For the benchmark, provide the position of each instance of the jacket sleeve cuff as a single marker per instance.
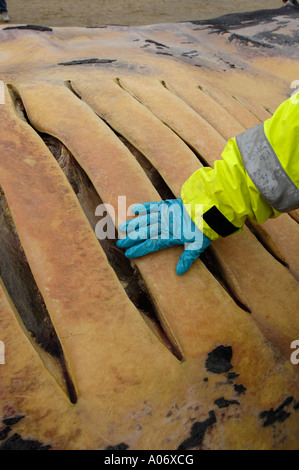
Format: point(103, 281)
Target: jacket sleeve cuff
point(211, 222)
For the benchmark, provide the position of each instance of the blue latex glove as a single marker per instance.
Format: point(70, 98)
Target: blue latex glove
point(162, 225)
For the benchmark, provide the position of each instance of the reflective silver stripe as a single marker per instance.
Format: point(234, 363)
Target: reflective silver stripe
point(266, 171)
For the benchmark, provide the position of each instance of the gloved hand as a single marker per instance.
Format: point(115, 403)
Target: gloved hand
point(162, 225)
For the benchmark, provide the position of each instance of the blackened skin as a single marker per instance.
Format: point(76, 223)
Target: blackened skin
point(88, 61)
point(240, 388)
point(251, 18)
point(248, 41)
point(15, 442)
point(13, 420)
point(8, 423)
point(31, 27)
point(276, 416)
point(232, 375)
point(198, 431)
point(164, 53)
point(121, 446)
point(156, 43)
point(223, 403)
point(268, 39)
point(219, 360)
point(4, 433)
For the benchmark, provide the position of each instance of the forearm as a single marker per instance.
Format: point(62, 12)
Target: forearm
point(257, 178)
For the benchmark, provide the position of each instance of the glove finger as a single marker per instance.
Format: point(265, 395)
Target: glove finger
point(138, 236)
point(145, 208)
point(146, 247)
point(135, 224)
point(191, 253)
point(186, 260)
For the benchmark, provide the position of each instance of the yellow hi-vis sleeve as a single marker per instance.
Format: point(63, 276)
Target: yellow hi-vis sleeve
point(225, 189)
point(258, 176)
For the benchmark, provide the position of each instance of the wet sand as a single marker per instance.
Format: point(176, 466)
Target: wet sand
point(125, 12)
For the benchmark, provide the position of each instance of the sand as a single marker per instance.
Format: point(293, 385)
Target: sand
point(125, 12)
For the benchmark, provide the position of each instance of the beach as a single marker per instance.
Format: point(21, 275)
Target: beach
point(125, 12)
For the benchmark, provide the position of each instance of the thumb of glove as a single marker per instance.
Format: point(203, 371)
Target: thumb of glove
point(190, 254)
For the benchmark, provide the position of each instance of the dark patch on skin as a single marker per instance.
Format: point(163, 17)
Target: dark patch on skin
point(31, 27)
point(156, 43)
point(88, 61)
point(246, 19)
point(164, 53)
point(15, 442)
point(238, 21)
point(296, 406)
point(219, 360)
point(232, 66)
point(121, 446)
point(197, 433)
point(95, 27)
point(190, 54)
point(223, 403)
point(232, 375)
point(248, 41)
point(278, 38)
point(4, 433)
point(276, 416)
point(12, 420)
point(240, 388)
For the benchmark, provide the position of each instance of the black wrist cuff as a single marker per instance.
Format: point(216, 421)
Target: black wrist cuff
point(218, 222)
